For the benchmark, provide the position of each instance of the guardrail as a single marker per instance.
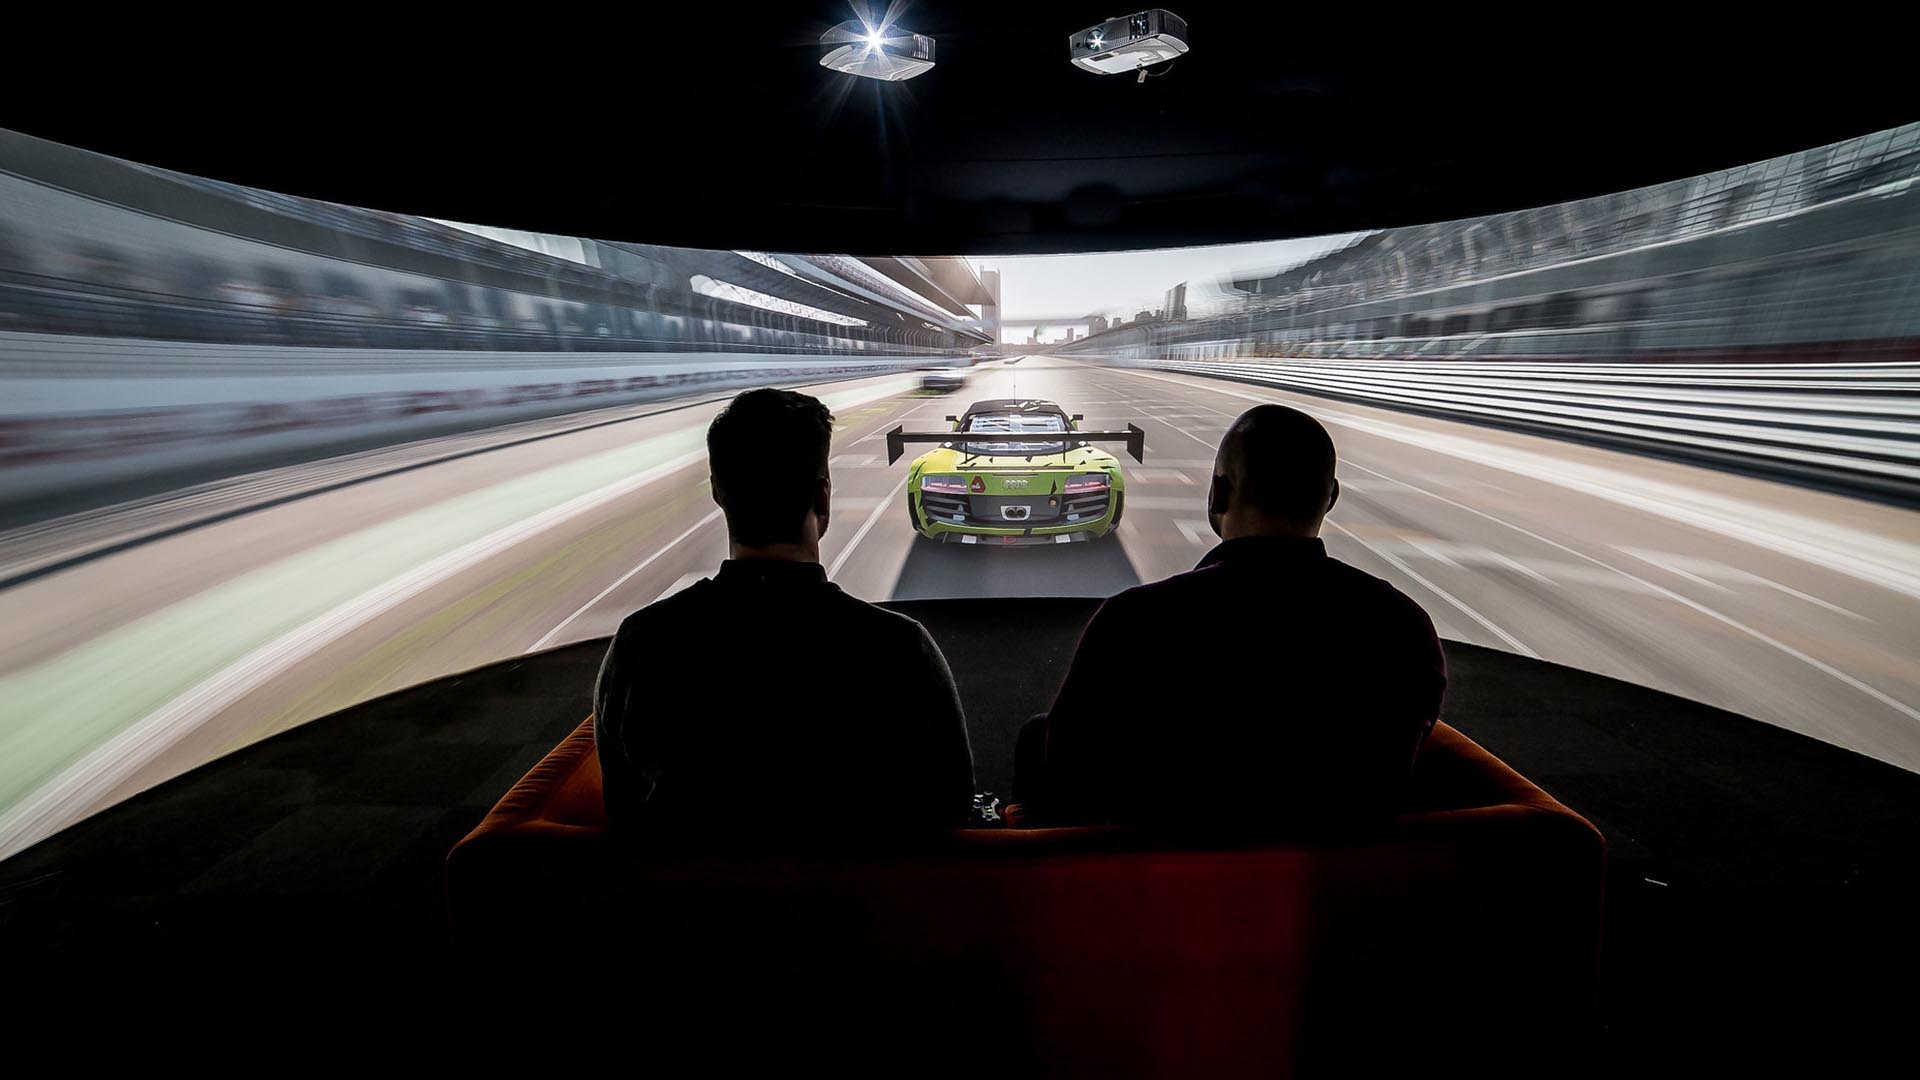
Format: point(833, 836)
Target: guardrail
point(80, 411)
point(1851, 426)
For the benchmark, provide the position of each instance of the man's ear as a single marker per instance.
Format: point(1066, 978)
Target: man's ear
point(719, 499)
point(823, 503)
point(1219, 493)
point(1333, 498)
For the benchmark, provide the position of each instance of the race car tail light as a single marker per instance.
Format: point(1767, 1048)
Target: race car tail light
point(1087, 482)
point(952, 485)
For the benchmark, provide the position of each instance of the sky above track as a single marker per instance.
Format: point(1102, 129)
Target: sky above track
point(1059, 290)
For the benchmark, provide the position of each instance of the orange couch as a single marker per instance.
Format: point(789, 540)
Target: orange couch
point(1467, 932)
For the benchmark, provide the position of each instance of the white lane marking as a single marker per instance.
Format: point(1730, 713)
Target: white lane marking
point(1704, 569)
point(1437, 552)
point(1808, 597)
point(623, 579)
point(1475, 484)
point(1515, 643)
point(116, 760)
point(1882, 561)
point(1566, 573)
point(1197, 532)
point(1518, 567)
point(865, 527)
point(679, 583)
point(852, 461)
point(1162, 476)
point(106, 767)
point(1188, 434)
point(1474, 554)
point(1159, 502)
point(1672, 566)
point(1662, 591)
point(1216, 412)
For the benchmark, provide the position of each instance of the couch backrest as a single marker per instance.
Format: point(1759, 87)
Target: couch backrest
point(1097, 946)
point(561, 798)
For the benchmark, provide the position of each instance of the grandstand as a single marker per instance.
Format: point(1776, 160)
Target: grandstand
point(97, 244)
point(1802, 257)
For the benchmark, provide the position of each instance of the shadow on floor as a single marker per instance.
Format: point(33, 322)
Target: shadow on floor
point(937, 571)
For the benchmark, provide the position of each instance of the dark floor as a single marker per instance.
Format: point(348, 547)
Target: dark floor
point(1764, 888)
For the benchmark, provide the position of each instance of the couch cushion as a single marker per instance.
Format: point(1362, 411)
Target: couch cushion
point(560, 796)
point(1111, 950)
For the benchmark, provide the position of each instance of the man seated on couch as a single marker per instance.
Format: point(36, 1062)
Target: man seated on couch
point(762, 700)
point(1271, 685)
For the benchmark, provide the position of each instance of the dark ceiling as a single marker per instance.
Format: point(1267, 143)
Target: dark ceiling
point(713, 124)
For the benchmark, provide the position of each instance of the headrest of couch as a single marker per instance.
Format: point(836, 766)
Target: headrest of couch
point(558, 804)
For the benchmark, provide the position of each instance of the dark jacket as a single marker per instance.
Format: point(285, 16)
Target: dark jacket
point(1271, 684)
point(765, 700)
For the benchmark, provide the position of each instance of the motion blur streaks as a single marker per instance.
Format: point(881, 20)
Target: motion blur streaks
point(1575, 564)
point(264, 458)
point(1765, 316)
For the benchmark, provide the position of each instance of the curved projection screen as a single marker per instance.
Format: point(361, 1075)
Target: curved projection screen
point(262, 458)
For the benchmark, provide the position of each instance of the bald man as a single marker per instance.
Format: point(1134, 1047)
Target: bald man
point(1270, 686)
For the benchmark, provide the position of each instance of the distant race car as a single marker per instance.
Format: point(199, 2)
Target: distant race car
point(1015, 472)
point(943, 379)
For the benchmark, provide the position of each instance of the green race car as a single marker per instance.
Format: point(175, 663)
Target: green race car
point(1015, 472)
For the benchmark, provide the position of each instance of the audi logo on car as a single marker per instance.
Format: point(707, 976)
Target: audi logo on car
point(1016, 482)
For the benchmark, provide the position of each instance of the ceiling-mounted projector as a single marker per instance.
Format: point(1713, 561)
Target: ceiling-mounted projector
point(1123, 46)
point(885, 52)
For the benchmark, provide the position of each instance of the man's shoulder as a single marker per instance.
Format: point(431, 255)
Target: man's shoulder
point(1351, 577)
point(1182, 588)
point(866, 617)
point(1386, 600)
point(1205, 584)
point(848, 612)
point(668, 609)
point(1187, 583)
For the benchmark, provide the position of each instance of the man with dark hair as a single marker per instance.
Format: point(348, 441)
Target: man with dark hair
point(750, 703)
point(1270, 686)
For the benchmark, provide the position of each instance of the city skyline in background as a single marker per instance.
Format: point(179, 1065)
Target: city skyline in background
point(1058, 292)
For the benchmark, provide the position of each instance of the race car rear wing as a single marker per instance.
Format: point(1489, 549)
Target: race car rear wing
point(899, 437)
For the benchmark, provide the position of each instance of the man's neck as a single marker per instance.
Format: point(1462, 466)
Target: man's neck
point(803, 552)
point(1232, 529)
